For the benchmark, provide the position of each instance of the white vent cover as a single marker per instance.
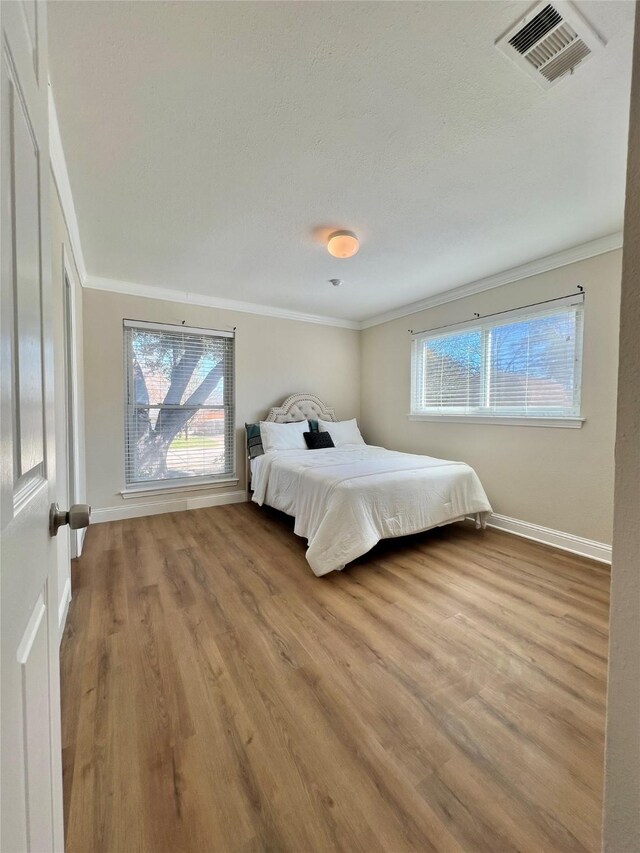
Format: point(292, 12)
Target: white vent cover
point(550, 41)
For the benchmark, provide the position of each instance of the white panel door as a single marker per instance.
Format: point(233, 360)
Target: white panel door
point(31, 783)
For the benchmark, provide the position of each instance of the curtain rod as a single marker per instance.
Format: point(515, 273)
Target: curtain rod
point(581, 292)
point(194, 330)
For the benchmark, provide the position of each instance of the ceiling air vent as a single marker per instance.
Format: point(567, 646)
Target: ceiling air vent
point(550, 41)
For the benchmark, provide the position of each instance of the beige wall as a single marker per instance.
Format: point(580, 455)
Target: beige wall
point(555, 477)
point(61, 256)
point(274, 358)
point(558, 478)
point(622, 772)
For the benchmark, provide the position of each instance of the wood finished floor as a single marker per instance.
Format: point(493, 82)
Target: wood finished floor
point(445, 693)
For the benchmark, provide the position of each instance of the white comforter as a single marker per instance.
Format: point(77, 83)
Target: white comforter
point(344, 500)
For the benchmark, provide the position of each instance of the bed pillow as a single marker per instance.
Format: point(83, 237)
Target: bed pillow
point(343, 433)
point(254, 440)
point(318, 440)
point(283, 436)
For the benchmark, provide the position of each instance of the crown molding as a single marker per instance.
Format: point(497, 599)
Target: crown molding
point(61, 178)
point(147, 291)
point(550, 262)
point(540, 265)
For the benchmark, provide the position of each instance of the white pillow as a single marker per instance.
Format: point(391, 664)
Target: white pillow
point(283, 436)
point(342, 433)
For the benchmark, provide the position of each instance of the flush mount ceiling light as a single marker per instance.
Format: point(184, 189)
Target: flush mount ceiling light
point(342, 244)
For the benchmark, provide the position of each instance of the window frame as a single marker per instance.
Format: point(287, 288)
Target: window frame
point(514, 416)
point(179, 484)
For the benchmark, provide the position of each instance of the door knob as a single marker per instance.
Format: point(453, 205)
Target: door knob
point(77, 516)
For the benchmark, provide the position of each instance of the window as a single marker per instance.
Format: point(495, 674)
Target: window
point(179, 418)
point(523, 364)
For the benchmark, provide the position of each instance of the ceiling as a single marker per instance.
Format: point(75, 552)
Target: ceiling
point(211, 146)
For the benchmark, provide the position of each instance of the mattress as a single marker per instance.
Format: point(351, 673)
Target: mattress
point(344, 500)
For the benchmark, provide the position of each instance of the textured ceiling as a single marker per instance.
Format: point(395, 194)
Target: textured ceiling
point(210, 145)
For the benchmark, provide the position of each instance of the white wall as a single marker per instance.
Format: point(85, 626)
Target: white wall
point(61, 256)
point(557, 478)
point(274, 358)
point(622, 771)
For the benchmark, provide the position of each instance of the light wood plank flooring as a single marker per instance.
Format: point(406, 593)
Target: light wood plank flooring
point(445, 693)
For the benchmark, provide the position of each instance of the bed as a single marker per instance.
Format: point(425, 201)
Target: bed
point(346, 499)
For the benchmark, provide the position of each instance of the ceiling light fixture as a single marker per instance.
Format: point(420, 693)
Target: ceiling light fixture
point(343, 244)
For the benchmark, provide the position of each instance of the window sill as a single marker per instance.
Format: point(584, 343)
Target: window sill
point(563, 423)
point(169, 488)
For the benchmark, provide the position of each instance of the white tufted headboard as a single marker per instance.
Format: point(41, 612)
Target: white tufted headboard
point(297, 407)
point(301, 407)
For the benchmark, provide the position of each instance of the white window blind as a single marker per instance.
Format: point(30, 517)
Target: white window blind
point(524, 363)
point(179, 401)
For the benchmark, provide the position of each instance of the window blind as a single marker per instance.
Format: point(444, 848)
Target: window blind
point(523, 363)
point(179, 406)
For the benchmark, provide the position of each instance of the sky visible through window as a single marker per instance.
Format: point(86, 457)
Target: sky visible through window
point(520, 347)
point(158, 354)
point(528, 363)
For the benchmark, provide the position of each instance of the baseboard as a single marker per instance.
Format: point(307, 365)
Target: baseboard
point(556, 538)
point(81, 538)
point(128, 510)
point(546, 535)
point(63, 607)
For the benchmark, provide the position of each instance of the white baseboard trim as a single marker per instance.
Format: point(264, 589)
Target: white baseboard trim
point(63, 607)
point(81, 538)
point(128, 510)
point(556, 538)
point(546, 535)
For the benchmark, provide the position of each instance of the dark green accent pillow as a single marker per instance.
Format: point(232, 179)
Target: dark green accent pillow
point(254, 440)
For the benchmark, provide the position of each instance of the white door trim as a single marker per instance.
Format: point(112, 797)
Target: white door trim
point(74, 462)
